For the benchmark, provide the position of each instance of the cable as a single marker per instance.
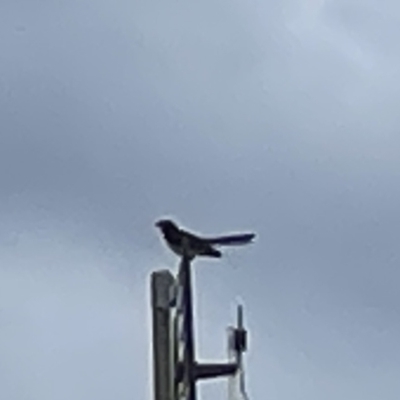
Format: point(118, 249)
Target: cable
point(242, 383)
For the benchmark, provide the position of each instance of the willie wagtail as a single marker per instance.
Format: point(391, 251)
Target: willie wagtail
point(177, 238)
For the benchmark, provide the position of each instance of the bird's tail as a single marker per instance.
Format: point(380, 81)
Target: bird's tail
point(231, 240)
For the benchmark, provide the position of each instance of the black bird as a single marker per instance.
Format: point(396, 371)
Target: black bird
point(177, 238)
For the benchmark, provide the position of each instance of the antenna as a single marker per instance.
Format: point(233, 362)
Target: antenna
point(237, 346)
point(176, 370)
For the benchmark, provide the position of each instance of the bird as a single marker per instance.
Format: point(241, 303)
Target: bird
point(182, 242)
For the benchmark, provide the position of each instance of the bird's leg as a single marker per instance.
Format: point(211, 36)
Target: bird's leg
point(186, 251)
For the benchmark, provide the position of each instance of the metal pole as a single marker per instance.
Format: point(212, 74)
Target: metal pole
point(161, 288)
point(185, 284)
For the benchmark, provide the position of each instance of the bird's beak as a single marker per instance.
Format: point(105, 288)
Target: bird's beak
point(158, 224)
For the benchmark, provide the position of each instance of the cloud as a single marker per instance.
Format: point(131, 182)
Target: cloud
point(69, 320)
point(280, 118)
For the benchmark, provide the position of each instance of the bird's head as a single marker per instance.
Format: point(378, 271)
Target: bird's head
point(166, 224)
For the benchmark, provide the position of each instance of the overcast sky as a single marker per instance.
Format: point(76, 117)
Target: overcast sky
point(280, 117)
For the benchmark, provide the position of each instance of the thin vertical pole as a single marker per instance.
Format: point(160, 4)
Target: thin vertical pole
point(185, 283)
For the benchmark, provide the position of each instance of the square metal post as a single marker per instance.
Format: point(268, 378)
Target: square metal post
point(161, 287)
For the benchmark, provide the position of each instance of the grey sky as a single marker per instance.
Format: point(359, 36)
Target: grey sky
point(280, 117)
